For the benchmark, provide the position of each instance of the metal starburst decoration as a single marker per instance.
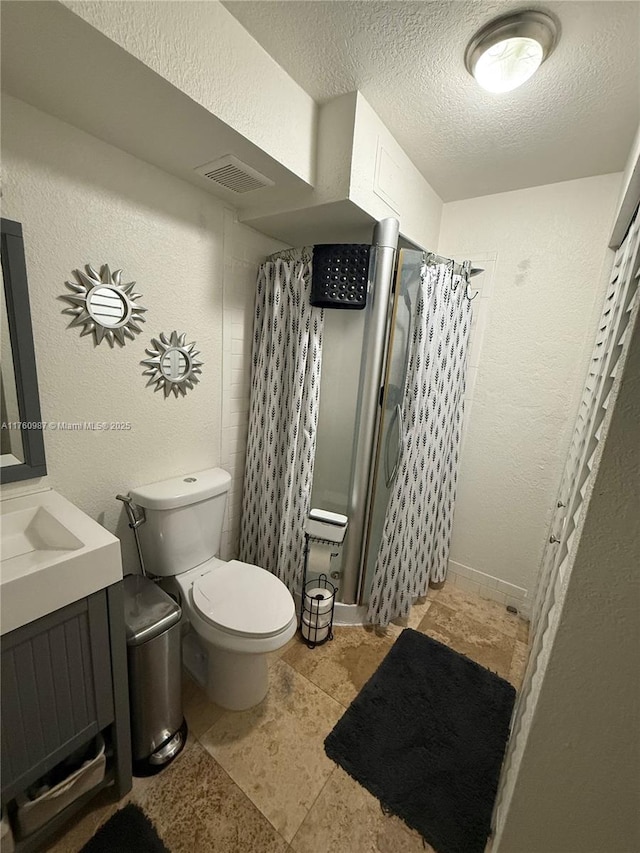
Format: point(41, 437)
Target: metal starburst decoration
point(104, 305)
point(173, 365)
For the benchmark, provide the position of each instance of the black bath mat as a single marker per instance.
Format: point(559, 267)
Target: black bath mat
point(128, 831)
point(427, 735)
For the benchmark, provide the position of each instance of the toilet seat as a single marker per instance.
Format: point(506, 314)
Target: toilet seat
point(243, 600)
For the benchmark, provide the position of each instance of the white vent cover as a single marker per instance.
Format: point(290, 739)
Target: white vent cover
point(234, 175)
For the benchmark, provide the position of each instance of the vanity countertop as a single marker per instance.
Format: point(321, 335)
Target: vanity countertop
point(52, 554)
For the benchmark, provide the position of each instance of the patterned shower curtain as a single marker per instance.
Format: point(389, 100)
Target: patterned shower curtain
point(417, 527)
point(283, 415)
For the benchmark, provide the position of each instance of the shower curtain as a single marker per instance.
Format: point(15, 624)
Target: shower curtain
point(283, 415)
point(417, 526)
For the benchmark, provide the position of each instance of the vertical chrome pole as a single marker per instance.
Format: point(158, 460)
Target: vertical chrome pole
point(384, 245)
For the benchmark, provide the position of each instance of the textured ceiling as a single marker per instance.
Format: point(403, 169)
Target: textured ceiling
point(575, 117)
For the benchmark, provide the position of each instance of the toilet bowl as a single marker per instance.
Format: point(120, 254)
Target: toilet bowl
point(238, 612)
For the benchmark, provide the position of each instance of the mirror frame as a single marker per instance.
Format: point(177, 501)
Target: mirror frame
point(16, 288)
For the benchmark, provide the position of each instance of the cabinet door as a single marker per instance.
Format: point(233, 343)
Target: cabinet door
point(56, 689)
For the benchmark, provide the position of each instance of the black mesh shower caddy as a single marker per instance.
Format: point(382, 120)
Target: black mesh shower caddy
point(340, 275)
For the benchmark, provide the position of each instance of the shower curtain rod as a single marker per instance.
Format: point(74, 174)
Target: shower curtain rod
point(464, 269)
point(305, 253)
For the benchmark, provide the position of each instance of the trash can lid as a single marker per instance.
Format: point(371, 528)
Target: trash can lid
point(148, 610)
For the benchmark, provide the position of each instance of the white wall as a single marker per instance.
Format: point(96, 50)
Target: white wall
point(206, 53)
point(82, 201)
point(384, 182)
point(577, 786)
point(363, 175)
point(334, 143)
point(548, 284)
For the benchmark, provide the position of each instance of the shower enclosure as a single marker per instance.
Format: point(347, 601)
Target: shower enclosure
point(328, 396)
point(359, 434)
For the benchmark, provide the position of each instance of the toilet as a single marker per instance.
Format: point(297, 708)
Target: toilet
point(237, 612)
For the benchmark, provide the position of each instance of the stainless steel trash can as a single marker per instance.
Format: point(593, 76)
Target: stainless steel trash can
point(158, 727)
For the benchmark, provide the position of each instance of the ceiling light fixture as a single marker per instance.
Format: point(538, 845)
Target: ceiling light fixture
point(507, 51)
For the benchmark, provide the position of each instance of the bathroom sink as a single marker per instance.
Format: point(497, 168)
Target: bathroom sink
point(51, 554)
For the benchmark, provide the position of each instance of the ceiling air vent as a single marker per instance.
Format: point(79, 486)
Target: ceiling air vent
point(234, 175)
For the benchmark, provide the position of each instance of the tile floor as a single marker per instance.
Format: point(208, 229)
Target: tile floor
point(258, 781)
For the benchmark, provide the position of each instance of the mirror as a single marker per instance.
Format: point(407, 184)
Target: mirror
point(11, 434)
point(173, 365)
point(22, 429)
point(104, 305)
point(107, 307)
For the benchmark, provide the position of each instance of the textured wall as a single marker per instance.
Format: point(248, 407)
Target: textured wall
point(202, 50)
point(549, 280)
point(363, 175)
point(82, 201)
point(578, 782)
point(395, 189)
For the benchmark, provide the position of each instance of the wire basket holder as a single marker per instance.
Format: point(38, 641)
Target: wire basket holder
point(316, 612)
point(318, 598)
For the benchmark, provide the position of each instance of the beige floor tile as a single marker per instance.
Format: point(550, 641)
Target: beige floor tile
point(518, 664)
point(490, 613)
point(272, 656)
point(523, 630)
point(197, 808)
point(391, 631)
point(275, 751)
point(346, 817)
point(200, 713)
point(415, 617)
point(342, 666)
point(477, 640)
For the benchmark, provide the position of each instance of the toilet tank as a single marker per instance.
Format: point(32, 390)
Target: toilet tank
point(184, 518)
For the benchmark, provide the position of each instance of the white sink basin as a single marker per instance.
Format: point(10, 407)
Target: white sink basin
point(51, 555)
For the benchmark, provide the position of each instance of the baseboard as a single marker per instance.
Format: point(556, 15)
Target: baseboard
point(488, 586)
point(350, 614)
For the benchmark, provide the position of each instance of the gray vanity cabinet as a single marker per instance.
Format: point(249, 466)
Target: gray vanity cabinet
point(64, 680)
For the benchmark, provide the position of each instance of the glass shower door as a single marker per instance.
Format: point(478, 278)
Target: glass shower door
point(352, 340)
point(352, 365)
point(390, 434)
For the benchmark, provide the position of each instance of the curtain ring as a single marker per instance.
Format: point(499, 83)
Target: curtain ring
point(451, 267)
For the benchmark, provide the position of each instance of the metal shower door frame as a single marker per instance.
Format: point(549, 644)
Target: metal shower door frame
point(379, 450)
point(382, 272)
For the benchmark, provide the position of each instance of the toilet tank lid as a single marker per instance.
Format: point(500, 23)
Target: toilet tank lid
point(182, 491)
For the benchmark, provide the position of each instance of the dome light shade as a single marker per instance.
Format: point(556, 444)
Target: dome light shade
point(505, 53)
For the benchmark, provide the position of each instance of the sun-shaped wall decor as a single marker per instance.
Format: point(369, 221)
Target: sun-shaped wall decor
point(173, 365)
point(104, 305)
